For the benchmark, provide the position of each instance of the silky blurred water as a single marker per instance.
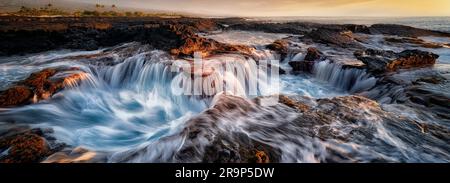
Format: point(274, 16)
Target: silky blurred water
point(126, 103)
point(115, 108)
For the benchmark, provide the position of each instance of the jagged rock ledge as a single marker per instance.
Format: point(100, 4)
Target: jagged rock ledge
point(379, 61)
point(40, 86)
point(177, 36)
point(20, 144)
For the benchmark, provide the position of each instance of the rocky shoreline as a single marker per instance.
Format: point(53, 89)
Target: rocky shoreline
point(180, 38)
point(22, 35)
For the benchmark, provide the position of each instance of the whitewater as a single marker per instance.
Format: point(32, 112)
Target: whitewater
point(126, 103)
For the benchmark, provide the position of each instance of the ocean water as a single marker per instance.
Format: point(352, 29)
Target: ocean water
point(132, 104)
point(129, 110)
point(432, 23)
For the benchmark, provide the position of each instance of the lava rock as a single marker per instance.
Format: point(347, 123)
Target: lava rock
point(240, 149)
point(305, 66)
point(294, 104)
point(189, 43)
point(280, 46)
point(26, 146)
point(39, 86)
point(93, 33)
point(335, 37)
point(404, 31)
point(415, 41)
point(358, 28)
point(379, 61)
point(16, 95)
point(313, 54)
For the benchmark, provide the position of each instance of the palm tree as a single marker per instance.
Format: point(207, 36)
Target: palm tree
point(98, 7)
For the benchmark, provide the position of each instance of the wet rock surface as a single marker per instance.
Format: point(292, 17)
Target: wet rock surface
point(334, 37)
point(313, 55)
point(420, 89)
point(415, 41)
point(299, 129)
point(23, 145)
point(17, 95)
point(281, 47)
point(175, 35)
point(291, 28)
point(379, 61)
point(223, 147)
point(75, 155)
point(396, 120)
point(40, 86)
point(405, 31)
point(40, 34)
point(302, 66)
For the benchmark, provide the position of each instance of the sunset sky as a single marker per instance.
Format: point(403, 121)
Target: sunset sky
point(273, 7)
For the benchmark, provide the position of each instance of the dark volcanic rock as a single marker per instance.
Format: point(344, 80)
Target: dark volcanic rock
point(378, 61)
point(415, 41)
point(29, 146)
point(297, 129)
point(175, 35)
point(280, 46)
point(205, 25)
point(244, 150)
point(313, 54)
point(39, 86)
point(352, 110)
point(305, 66)
point(290, 27)
point(413, 58)
point(405, 31)
point(24, 148)
point(349, 119)
point(208, 47)
point(224, 147)
point(416, 89)
point(16, 95)
point(188, 43)
point(357, 28)
point(335, 37)
point(294, 104)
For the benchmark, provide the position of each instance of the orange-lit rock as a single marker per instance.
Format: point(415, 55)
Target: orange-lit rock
point(412, 58)
point(39, 86)
point(280, 46)
point(189, 43)
point(415, 41)
point(294, 104)
point(261, 157)
point(17, 95)
point(379, 61)
point(77, 155)
point(313, 54)
point(24, 148)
